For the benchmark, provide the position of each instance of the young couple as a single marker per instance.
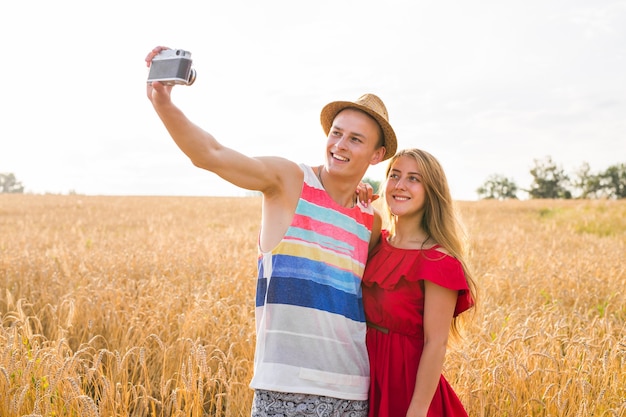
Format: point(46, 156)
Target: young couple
point(336, 337)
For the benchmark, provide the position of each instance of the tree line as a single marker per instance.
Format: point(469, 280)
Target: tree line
point(10, 184)
point(551, 181)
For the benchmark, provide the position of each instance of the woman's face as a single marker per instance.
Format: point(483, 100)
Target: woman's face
point(404, 190)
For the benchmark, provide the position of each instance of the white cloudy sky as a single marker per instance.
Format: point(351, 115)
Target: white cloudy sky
point(487, 86)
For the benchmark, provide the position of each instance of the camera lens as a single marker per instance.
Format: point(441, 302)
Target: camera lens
point(192, 76)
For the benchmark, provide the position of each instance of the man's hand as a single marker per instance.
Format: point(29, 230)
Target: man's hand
point(157, 92)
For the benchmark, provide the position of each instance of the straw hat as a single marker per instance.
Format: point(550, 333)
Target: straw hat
point(370, 104)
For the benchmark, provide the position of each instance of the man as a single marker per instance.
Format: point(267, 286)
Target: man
point(313, 244)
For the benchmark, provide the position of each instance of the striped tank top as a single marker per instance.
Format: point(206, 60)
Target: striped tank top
point(310, 323)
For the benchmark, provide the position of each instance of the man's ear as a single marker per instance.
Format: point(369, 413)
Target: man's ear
point(378, 155)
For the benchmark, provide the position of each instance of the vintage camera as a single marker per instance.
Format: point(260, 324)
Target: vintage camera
point(172, 66)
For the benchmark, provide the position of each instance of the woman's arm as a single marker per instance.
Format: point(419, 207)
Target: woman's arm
point(439, 303)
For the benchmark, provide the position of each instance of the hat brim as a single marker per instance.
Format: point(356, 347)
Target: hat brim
point(331, 110)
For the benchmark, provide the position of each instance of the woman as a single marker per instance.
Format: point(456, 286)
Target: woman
point(415, 285)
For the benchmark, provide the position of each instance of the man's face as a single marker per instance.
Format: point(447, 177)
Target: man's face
point(353, 142)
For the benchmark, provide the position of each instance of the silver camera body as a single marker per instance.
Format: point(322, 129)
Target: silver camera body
point(172, 66)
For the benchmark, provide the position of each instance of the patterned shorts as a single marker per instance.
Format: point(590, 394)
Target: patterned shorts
point(281, 404)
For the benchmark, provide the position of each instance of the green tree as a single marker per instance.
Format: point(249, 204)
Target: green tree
point(498, 187)
point(586, 183)
point(10, 184)
point(613, 181)
point(549, 181)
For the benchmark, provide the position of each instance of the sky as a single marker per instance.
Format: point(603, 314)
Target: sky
point(487, 86)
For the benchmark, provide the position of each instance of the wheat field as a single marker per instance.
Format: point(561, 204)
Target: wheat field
point(143, 306)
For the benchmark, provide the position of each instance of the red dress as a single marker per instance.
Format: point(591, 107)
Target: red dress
point(393, 298)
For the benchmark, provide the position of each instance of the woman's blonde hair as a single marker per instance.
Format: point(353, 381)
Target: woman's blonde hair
point(440, 221)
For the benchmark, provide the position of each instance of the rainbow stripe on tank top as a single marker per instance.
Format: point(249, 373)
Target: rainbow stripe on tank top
point(309, 310)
